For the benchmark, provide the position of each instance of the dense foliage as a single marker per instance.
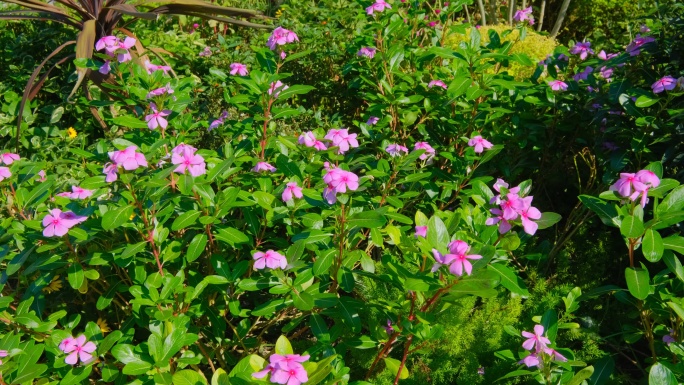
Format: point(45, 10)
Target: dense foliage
point(370, 192)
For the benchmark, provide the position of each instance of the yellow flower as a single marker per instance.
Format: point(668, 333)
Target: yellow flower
point(104, 328)
point(54, 285)
point(72, 133)
point(279, 13)
point(131, 217)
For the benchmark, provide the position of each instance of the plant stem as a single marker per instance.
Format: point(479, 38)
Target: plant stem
point(403, 359)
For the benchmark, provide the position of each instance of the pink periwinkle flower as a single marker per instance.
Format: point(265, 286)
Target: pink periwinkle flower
point(373, 120)
point(558, 85)
point(479, 143)
point(340, 180)
point(342, 139)
point(238, 69)
point(160, 91)
point(583, 75)
point(181, 148)
point(285, 369)
point(634, 48)
point(157, 118)
point(309, 140)
point(9, 158)
point(218, 122)
point(527, 214)
point(535, 340)
point(281, 36)
point(530, 360)
point(460, 262)
point(396, 150)
point(78, 348)
point(498, 186)
point(429, 151)
point(263, 166)
point(522, 15)
point(80, 193)
point(152, 68)
point(189, 161)
point(669, 338)
point(606, 73)
point(666, 83)
point(271, 259)
point(421, 231)
point(128, 158)
point(555, 354)
point(504, 225)
point(5, 173)
point(105, 68)
point(378, 6)
point(3, 354)
point(632, 185)
point(41, 176)
point(108, 43)
point(110, 170)
point(276, 87)
point(582, 49)
point(437, 83)
point(58, 223)
point(292, 190)
point(368, 52)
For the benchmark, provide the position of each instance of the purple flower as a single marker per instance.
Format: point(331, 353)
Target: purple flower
point(157, 118)
point(437, 83)
point(378, 6)
point(263, 166)
point(151, 68)
point(606, 73)
point(271, 259)
point(522, 15)
point(389, 329)
point(634, 48)
point(292, 190)
point(421, 231)
point(396, 150)
point(584, 74)
point(669, 338)
point(644, 29)
point(281, 36)
point(373, 120)
point(479, 143)
point(429, 151)
point(239, 69)
point(160, 91)
point(187, 160)
point(368, 52)
point(216, 123)
point(667, 83)
point(583, 49)
point(558, 85)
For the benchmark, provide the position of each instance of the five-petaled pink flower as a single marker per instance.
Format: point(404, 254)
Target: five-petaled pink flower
point(523, 14)
point(461, 260)
point(437, 83)
point(309, 140)
point(285, 369)
point(58, 223)
point(342, 139)
point(535, 340)
point(5, 173)
point(378, 6)
point(157, 118)
point(372, 120)
point(421, 231)
point(263, 166)
point(634, 48)
point(583, 49)
point(281, 36)
point(187, 160)
point(558, 85)
point(632, 185)
point(110, 170)
point(151, 68)
point(80, 193)
point(368, 52)
point(396, 150)
point(128, 158)
point(429, 151)
point(160, 91)
point(479, 143)
point(527, 213)
point(341, 180)
point(9, 158)
point(238, 69)
point(276, 87)
point(666, 83)
point(292, 190)
point(78, 348)
point(271, 259)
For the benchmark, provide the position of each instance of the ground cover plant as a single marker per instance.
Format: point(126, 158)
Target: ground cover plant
point(427, 200)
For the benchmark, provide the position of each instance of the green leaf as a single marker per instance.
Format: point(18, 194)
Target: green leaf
point(393, 366)
point(652, 245)
point(129, 121)
point(174, 342)
point(283, 346)
point(303, 301)
point(324, 262)
point(116, 217)
point(547, 220)
point(132, 250)
point(367, 219)
point(220, 377)
point(674, 201)
point(644, 101)
point(188, 377)
point(437, 233)
point(516, 373)
point(605, 211)
point(661, 375)
point(637, 282)
point(38, 194)
point(677, 309)
point(196, 247)
point(581, 376)
point(509, 279)
point(186, 219)
point(675, 243)
point(75, 275)
point(673, 264)
point(632, 227)
point(232, 236)
point(603, 368)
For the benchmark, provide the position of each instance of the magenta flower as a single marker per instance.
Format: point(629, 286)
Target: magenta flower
point(522, 15)
point(105, 68)
point(421, 231)
point(292, 190)
point(535, 340)
point(429, 151)
point(396, 150)
point(373, 120)
point(64, 194)
point(368, 52)
point(501, 184)
point(285, 369)
point(218, 122)
point(667, 83)
point(79, 348)
point(461, 261)
point(558, 85)
point(437, 83)
point(152, 68)
point(271, 259)
point(238, 69)
point(530, 360)
point(527, 213)
point(124, 46)
point(341, 180)
point(504, 225)
point(160, 91)
point(606, 73)
point(128, 158)
point(276, 87)
point(80, 193)
point(307, 138)
point(9, 158)
point(41, 175)
point(5, 173)
point(108, 43)
point(582, 49)
point(263, 166)
point(3, 354)
point(441, 259)
point(584, 74)
point(628, 185)
point(634, 48)
point(378, 6)
point(281, 36)
point(479, 143)
point(181, 148)
point(342, 139)
point(58, 223)
point(330, 195)
point(269, 369)
point(555, 354)
point(189, 161)
point(110, 170)
point(156, 118)
point(511, 206)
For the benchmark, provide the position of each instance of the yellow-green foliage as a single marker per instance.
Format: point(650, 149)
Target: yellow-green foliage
point(535, 46)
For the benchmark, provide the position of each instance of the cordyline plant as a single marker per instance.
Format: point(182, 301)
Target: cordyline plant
point(95, 19)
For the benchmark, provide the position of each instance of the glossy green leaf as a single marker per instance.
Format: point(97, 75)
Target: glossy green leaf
point(637, 282)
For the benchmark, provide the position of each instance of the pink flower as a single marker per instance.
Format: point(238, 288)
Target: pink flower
point(421, 231)
point(41, 175)
point(189, 161)
point(283, 55)
point(511, 206)
point(160, 91)
point(3, 353)
point(5, 173)
point(307, 138)
point(73, 218)
point(606, 56)
point(634, 48)
point(128, 158)
point(558, 85)
point(461, 261)
point(584, 74)
point(269, 369)
point(105, 68)
point(396, 150)
point(378, 6)
point(239, 69)
point(263, 166)
point(530, 360)
point(341, 180)
point(527, 213)
point(108, 43)
point(368, 52)
point(582, 49)
point(216, 123)
point(479, 143)
point(156, 118)
point(606, 73)
point(536, 339)
point(80, 193)
point(285, 369)
point(124, 46)
point(501, 184)
point(9, 158)
point(281, 36)
point(64, 194)
point(276, 87)
point(287, 361)
point(151, 68)
point(78, 349)
point(429, 151)
point(292, 190)
point(441, 260)
point(437, 83)
point(58, 223)
point(205, 52)
point(522, 15)
point(271, 259)
point(504, 225)
point(555, 354)
point(627, 185)
point(330, 195)
point(110, 170)
point(342, 139)
point(667, 83)
point(181, 148)
point(372, 120)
